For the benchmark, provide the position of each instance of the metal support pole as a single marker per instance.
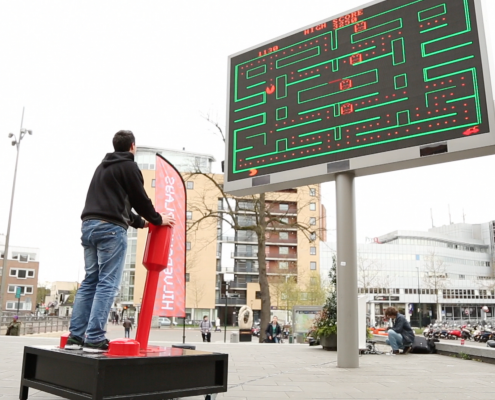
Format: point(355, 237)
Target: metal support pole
point(226, 306)
point(3, 289)
point(419, 305)
point(347, 301)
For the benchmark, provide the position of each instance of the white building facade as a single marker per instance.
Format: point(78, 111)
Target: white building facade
point(445, 273)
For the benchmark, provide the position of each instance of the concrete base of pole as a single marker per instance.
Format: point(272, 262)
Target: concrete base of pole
point(347, 301)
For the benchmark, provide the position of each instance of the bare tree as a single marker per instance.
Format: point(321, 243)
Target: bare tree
point(435, 274)
point(369, 273)
point(255, 214)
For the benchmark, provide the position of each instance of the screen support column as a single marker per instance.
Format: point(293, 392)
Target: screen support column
point(347, 301)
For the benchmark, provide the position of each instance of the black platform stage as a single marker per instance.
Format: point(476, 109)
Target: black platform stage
point(163, 373)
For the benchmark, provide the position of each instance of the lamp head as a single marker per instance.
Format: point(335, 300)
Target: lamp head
point(10, 135)
point(30, 132)
point(14, 142)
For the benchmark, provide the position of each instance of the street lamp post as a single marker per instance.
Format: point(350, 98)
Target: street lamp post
point(15, 142)
point(419, 298)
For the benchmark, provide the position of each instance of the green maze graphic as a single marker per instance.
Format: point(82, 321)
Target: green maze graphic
point(396, 74)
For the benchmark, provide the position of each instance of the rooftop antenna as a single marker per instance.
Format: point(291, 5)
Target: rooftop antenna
point(450, 216)
point(463, 216)
point(431, 215)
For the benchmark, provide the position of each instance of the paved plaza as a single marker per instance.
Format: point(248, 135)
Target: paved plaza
point(299, 372)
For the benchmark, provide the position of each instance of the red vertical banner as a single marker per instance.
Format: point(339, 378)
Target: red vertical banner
point(170, 198)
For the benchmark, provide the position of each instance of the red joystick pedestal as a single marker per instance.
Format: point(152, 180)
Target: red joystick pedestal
point(155, 261)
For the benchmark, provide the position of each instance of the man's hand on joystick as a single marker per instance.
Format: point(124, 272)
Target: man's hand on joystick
point(167, 219)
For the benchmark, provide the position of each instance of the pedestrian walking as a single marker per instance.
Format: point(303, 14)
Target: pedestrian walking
point(205, 327)
point(217, 325)
point(116, 189)
point(127, 327)
point(14, 328)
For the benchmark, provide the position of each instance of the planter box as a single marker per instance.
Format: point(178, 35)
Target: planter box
point(329, 342)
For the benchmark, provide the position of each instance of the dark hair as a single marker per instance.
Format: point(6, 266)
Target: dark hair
point(123, 140)
point(206, 316)
point(391, 311)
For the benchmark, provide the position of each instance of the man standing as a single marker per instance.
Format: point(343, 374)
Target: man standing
point(117, 187)
point(127, 327)
point(400, 335)
point(205, 327)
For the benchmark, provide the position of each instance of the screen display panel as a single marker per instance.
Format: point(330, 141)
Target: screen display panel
point(395, 74)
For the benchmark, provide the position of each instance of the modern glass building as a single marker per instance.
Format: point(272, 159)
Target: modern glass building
point(444, 273)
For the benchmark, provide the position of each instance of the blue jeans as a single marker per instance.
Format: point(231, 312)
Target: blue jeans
point(105, 245)
point(394, 340)
point(127, 332)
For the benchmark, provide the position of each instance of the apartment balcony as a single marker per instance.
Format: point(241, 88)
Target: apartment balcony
point(286, 257)
point(281, 227)
point(220, 301)
point(244, 254)
point(238, 285)
point(226, 238)
point(246, 270)
point(281, 242)
point(281, 271)
point(290, 213)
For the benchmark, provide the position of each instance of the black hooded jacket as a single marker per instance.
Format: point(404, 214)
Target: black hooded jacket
point(116, 188)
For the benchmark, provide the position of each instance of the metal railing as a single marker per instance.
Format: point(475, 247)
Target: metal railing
point(244, 254)
point(32, 326)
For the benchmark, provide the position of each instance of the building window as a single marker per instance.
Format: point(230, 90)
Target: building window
point(24, 289)
point(283, 265)
point(283, 250)
point(190, 185)
point(21, 273)
point(312, 192)
point(188, 245)
point(258, 295)
point(312, 221)
point(312, 251)
point(23, 257)
point(312, 236)
point(188, 214)
point(312, 265)
point(284, 220)
point(153, 183)
point(304, 296)
point(187, 277)
point(313, 281)
point(462, 276)
point(312, 206)
point(283, 207)
point(283, 235)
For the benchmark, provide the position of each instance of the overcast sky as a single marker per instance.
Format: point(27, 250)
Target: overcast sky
point(84, 70)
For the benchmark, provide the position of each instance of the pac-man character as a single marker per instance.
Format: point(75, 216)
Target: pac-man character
point(270, 89)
